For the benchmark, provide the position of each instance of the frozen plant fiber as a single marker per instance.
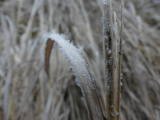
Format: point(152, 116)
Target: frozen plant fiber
point(81, 71)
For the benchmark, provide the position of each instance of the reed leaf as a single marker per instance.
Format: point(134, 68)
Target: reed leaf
point(80, 70)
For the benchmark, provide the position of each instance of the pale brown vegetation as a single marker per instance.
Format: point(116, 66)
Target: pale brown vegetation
point(26, 92)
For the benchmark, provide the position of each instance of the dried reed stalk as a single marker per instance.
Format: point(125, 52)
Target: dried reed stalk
point(119, 64)
point(108, 56)
point(112, 61)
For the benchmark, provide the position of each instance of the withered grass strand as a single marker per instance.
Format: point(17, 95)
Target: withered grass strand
point(115, 56)
point(119, 64)
point(81, 71)
point(27, 20)
point(7, 47)
point(109, 58)
point(49, 45)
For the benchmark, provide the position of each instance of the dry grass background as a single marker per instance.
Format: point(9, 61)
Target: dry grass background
point(25, 91)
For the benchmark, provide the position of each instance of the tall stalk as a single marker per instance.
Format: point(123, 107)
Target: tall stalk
point(119, 64)
point(108, 56)
point(112, 59)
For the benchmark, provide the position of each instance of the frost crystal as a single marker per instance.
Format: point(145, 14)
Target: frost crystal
point(121, 76)
point(121, 83)
point(105, 2)
point(110, 51)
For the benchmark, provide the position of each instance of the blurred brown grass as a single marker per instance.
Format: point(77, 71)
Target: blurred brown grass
point(25, 90)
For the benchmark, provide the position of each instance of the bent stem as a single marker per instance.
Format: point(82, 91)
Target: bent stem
point(81, 71)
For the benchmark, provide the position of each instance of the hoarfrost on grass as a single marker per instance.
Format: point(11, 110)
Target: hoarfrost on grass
point(110, 51)
point(77, 62)
point(115, 23)
point(121, 76)
point(106, 37)
point(81, 71)
point(105, 2)
point(121, 83)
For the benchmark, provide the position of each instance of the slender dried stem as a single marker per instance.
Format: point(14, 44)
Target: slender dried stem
point(49, 45)
point(119, 63)
point(109, 61)
point(112, 61)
